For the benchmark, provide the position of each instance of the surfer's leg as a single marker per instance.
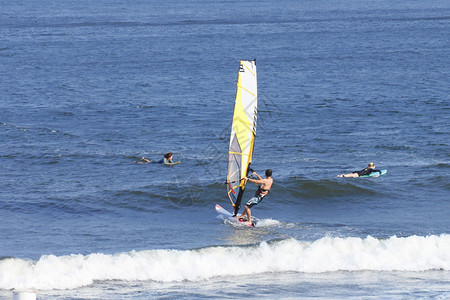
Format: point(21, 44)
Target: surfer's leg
point(349, 175)
point(244, 213)
point(249, 214)
point(247, 207)
point(145, 159)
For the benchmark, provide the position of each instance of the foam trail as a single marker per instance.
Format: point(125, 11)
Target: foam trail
point(328, 254)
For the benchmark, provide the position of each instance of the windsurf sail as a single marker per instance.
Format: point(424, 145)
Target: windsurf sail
point(243, 132)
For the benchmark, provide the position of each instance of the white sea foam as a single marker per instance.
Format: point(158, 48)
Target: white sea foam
point(268, 223)
point(328, 254)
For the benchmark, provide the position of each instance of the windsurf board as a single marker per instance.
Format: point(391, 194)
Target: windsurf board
point(229, 216)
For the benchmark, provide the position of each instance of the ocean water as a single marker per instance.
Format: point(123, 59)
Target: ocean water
point(86, 88)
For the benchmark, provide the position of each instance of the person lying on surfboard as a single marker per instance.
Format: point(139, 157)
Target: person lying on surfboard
point(366, 171)
point(261, 192)
point(167, 160)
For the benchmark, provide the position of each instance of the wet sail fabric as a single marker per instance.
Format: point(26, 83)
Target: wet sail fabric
point(243, 131)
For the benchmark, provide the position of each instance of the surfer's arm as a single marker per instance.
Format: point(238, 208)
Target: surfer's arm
point(255, 181)
point(259, 177)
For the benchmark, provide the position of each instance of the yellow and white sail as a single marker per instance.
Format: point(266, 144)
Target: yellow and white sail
point(243, 131)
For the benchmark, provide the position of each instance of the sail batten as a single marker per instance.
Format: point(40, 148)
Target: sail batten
point(243, 131)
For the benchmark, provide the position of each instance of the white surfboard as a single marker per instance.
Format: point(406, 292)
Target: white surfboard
point(229, 216)
point(224, 212)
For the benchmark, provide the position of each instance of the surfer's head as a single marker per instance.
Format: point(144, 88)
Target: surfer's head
point(168, 155)
point(371, 165)
point(268, 173)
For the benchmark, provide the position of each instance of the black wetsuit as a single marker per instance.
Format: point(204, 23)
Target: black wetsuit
point(366, 171)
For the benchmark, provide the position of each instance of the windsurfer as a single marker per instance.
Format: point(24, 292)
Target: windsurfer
point(261, 192)
point(366, 171)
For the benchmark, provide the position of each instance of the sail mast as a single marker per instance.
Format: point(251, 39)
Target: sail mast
point(243, 131)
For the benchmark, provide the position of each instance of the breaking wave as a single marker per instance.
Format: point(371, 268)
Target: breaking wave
point(328, 254)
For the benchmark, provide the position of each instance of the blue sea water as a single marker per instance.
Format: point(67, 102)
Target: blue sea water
point(88, 87)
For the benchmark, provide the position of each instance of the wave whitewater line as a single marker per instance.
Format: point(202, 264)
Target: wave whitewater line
point(328, 254)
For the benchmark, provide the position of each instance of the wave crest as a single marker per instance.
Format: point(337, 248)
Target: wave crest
point(328, 254)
